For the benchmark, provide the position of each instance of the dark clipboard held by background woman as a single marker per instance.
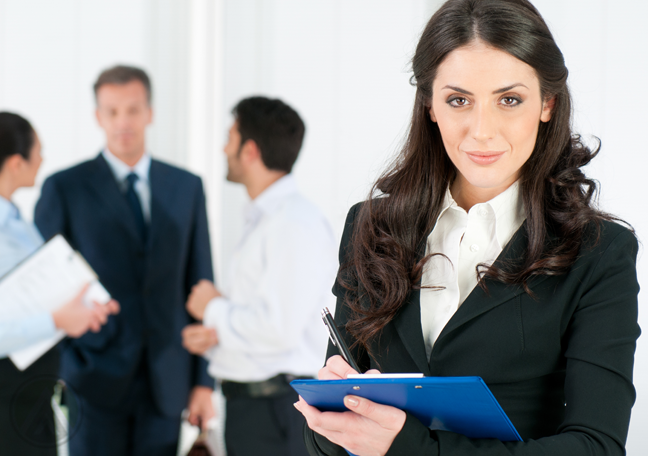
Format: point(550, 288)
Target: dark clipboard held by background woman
point(481, 252)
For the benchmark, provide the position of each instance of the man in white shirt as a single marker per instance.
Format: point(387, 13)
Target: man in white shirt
point(263, 328)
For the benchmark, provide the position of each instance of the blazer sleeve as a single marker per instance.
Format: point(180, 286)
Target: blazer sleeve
point(599, 344)
point(50, 215)
point(199, 266)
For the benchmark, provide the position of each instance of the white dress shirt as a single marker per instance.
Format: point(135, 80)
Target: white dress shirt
point(466, 239)
point(18, 240)
point(279, 279)
point(142, 186)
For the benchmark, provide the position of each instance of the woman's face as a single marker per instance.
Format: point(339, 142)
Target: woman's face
point(488, 107)
point(30, 167)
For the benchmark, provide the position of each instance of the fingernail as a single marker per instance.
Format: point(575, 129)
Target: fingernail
point(296, 406)
point(352, 401)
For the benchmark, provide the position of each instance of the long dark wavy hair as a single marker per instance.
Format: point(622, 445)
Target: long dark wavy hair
point(385, 258)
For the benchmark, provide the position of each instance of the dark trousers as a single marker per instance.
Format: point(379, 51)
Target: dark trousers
point(139, 430)
point(264, 426)
point(26, 418)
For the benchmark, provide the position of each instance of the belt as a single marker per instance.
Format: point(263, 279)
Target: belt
point(275, 386)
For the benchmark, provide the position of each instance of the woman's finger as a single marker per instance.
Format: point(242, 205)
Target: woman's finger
point(95, 325)
point(100, 314)
point(386, 416)
point(326, 374)
point(338, 366)
point(323, 421)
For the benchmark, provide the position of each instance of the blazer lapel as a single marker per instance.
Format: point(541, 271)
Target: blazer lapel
point(479, 301)
point(408, 326)
point(162, 198)
point(102, 182)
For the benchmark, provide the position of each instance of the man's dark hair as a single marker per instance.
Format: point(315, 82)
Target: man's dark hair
point(122, 74)
point(274, 126)
point(17, 137)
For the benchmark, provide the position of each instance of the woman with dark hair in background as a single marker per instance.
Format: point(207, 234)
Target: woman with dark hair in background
point(481, 253)
point(24, 429)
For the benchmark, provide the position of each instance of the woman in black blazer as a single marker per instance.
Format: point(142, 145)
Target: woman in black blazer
point(550, 322)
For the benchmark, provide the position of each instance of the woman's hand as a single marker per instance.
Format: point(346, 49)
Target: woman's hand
point(337, 369)
point(368, 429)
point(76, 319)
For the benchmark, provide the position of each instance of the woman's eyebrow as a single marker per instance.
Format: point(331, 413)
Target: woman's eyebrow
point(506, 89)
point(502, 90)
point(457, 89)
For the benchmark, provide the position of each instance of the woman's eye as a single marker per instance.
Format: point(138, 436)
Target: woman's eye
point(458, 102)
point(510, 101)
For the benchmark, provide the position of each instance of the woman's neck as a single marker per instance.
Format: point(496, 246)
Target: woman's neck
point(7, 186)
point(467, 195)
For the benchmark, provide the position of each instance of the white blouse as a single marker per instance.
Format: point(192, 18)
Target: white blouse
point(466, 239)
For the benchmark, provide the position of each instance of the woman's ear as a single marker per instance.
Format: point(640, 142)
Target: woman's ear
point(547, 109)
point(13, 163)
point(432, 116)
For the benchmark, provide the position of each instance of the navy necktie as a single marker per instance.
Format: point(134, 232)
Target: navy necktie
point(135, 205)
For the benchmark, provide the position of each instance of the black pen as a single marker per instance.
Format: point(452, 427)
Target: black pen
point(337, 339)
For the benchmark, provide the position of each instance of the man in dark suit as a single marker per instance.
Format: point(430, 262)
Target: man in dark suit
point(142, 226)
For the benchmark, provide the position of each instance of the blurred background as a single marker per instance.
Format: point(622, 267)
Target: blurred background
point(344, 65)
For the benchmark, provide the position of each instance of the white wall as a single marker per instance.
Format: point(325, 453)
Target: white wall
point(52, 51)
point(341, 63)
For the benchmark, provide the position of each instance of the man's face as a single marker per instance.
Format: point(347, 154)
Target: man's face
point(233, 153)
point(123, 112)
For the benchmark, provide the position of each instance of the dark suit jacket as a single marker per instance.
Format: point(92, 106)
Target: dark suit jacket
point(151, 282)
point(560, 363)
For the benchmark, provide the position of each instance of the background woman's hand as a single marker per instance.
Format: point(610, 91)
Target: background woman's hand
point(75, 318)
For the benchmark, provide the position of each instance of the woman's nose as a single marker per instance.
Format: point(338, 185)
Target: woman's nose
point(484, 123)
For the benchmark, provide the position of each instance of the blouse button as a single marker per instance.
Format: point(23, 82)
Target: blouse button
point(474, 248)
point(483, 211)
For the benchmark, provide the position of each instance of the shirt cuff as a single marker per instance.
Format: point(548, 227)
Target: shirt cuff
point(216, 312)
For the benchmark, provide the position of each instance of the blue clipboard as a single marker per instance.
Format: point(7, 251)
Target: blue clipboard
point(463, 405)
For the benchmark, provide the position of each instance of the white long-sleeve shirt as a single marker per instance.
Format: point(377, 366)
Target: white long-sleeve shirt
point(279, 279)
point(466, 239)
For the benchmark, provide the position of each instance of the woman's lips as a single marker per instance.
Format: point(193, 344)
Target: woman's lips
point(484, 158)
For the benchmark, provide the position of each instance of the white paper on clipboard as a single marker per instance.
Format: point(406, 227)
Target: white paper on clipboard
point(49, 278)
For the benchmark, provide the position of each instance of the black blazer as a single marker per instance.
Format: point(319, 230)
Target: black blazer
point(151, 282)
point(559, 363)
